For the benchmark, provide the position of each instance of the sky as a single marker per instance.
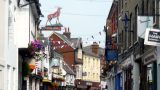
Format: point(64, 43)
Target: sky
point(85, 18)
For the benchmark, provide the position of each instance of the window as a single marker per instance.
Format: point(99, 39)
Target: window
point(142, 7)
point(147, 11)
point(93, 75)
point(135, 24)
point(122, 3)
point(8, 77)
point(130, 33)
point(10, 22)
point(79, 53)
point(125, 37)
point(154, 11)
point(13, 77)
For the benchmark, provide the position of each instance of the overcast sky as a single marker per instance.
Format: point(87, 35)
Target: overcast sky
point(85, 18)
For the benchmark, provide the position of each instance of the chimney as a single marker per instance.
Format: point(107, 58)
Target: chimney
point(95, 47)
point(67, 33)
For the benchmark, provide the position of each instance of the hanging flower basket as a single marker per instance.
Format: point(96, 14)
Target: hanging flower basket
point(36, 50)
point(35, 46)
point(26, 69)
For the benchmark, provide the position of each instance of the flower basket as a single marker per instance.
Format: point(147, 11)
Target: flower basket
point(26, 69)
point(36, 50)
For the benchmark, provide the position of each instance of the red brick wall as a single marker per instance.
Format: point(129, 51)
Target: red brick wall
point(67, 52)
point(55, 38)
point(69, 58)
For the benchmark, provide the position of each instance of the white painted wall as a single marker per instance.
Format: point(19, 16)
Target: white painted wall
point(8, 49)
point(79, 71)
point(2, 30)
point(136, 76)
point(69, 80)
point(14, 34)
point(24, 22)
point(103, 84)
point(2, 43)
point(45, 63)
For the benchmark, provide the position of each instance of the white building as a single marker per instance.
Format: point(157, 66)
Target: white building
point(69, 77)
point(18, 28)
point(3, 25)
point(27, 16)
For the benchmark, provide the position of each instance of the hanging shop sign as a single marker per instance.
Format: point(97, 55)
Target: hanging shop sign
point(89, 83)
point(152, 37)
point(150, 57)
point(143, 22)
point(55, 28)
point(111, 55)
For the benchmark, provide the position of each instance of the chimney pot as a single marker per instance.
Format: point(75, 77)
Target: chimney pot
point(65, 29)
point(67, 33)
point(68, 29)
point(95, 48)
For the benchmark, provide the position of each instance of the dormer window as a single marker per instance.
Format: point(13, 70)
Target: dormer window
point(79, 53)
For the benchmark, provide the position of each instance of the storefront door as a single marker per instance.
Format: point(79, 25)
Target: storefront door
point(119, 81)
point(152, 76)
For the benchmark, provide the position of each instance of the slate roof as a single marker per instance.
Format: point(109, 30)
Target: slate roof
point(88, 50)
point(76, 42)
point(68, 69)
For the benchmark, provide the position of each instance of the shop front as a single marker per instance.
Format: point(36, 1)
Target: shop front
point(58, 83)
point(127, 81)
point(80, 84)
point(118, 82)
point(96, 86)
point(47, 84)
point(150, 70)
point(87, 85)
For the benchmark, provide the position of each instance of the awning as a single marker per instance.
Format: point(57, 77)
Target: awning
point(46, 80)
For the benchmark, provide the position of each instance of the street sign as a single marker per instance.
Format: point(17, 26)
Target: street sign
point(152, 37)
point(143, 22)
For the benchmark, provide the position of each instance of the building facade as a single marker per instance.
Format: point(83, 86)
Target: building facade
point(134, 69)
point(26, 21)
point(91, 66)
point(3, 17)
point(15, 27)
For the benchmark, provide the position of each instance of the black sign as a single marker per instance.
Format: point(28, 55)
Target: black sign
point(154, 36)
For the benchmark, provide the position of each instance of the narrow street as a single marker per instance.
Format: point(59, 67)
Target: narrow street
point(79, 45)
